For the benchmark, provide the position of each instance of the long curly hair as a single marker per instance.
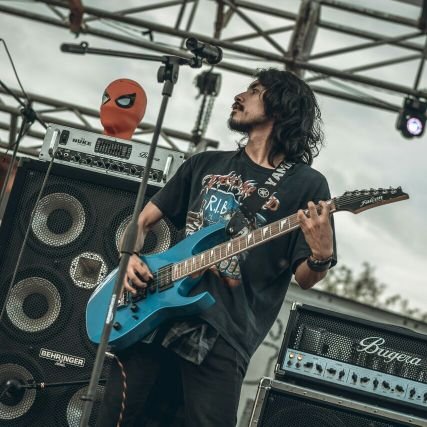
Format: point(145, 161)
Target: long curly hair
point(290, 102)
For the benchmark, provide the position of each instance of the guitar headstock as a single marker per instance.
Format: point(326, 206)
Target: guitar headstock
point(361, 200)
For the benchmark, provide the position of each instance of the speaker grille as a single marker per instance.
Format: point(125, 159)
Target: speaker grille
point(75, 406)
point(88, 270)
point(34, 304)
point(72, 246)
point(328, 335)
point(59, 219)
point(287, 410)
point(15, 403)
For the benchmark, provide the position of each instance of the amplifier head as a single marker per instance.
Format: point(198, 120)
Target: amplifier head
point(108, 155)
point(354, 354)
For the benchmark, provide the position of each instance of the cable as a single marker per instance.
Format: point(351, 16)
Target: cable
point(124, 396)
point(14, 69)
point(27, 233)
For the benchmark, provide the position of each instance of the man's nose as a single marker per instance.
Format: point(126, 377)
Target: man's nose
point(239, 97)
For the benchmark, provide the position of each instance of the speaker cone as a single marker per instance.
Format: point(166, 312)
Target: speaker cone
point(34, 304)
point(75, 405)
point(59, 219)
point(158, 239)
point(15, 402)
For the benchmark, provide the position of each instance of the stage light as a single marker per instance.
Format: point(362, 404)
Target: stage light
point(412, 118)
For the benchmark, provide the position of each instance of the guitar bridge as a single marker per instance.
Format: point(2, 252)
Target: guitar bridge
point(124, 300)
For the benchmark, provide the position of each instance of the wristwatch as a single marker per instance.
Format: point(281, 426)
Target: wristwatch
point(319, 265)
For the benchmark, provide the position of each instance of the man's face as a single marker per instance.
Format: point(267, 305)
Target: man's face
point(248, 109)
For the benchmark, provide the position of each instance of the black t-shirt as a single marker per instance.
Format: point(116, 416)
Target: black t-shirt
point(249, 289)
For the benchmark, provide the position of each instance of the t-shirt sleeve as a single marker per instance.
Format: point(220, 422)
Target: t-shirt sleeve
point(173, 198)
point(301, 250)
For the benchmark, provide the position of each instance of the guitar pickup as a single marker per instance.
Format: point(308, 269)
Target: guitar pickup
point(141, 293)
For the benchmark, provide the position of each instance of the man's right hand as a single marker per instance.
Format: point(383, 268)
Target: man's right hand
point(137, 275)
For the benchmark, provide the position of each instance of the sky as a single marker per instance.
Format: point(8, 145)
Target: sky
point(363, 149)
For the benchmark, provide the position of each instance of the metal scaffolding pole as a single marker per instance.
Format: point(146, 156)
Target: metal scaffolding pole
point(393, 87)
point(370, 12)
point(256, 7)
point(247, 51)
point(367, 45)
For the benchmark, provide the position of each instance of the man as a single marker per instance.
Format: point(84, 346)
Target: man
point(209, 354)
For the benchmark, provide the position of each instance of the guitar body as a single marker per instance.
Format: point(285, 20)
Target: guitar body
point(139, 319)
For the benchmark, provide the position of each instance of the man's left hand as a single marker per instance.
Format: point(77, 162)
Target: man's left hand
point(317, 230)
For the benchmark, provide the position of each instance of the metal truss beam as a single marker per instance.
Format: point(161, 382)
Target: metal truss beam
point(370, 12)
point(241, 47)
point(257, 53)
point(51, 108)
point(327, 25)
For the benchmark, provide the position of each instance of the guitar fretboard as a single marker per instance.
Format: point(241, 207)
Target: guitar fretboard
point(233, 247)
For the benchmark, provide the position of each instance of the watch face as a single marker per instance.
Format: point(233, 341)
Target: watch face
point(414, 126)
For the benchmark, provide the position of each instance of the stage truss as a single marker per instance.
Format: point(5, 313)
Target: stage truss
point(270, 33)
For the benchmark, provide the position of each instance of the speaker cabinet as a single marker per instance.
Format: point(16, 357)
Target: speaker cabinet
point(280, 404)
point(72, 245)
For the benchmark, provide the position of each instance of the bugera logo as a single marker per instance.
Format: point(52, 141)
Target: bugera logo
point(373, 345)
point(62, 359)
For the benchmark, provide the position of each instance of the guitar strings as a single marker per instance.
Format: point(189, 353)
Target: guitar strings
point(163, 276)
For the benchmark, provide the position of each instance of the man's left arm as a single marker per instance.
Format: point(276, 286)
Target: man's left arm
point(318, 234)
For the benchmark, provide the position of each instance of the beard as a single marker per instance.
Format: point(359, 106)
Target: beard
point(244, 127)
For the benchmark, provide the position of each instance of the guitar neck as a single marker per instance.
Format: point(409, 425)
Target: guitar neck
point(237, 245)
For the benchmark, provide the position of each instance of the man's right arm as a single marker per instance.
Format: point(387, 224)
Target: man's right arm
point(137, 272)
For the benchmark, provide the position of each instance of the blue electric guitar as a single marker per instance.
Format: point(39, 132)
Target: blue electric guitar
point(166, 296)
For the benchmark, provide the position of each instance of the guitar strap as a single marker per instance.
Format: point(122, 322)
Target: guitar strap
point(246, 214)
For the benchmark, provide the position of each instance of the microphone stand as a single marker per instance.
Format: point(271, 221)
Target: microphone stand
point(28, 118)
point(168, 75)
point(14, 385)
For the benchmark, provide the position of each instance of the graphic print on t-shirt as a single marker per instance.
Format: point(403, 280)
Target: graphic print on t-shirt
point(220, 197)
